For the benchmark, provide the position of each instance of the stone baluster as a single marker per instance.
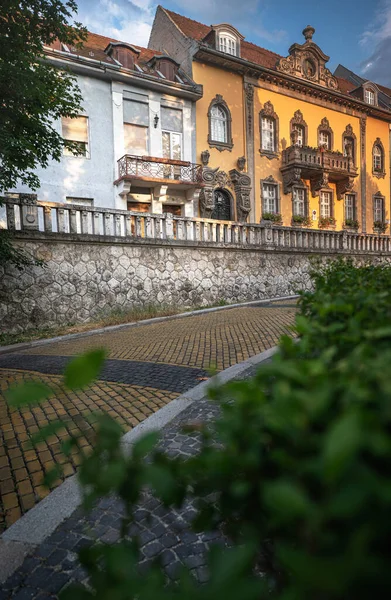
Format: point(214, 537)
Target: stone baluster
point(61, 221)
point(84, 222)
point(47, 219)
point(107, 230)
point(29, 212)
point(180, 229)
point(139, 226)
point(149, 233)
point(117, 225)
point(197, 231)
point(251, 238)
point(128, 225)
point(73, 221)
point(169, 226)
point(10, 212)
point(96, 223)
point(189, 230)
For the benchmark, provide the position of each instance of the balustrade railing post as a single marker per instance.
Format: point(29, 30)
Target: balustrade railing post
point(117, 226)
point(95, 223)
point(72, 221)
point(169, 222)
point(128, 226)
point(106, 224)
point(189, 230)
point(47, 219)
point(10, 212)
point(29, 210)
point(61, 221)
point(84, 222)
point(138, 226)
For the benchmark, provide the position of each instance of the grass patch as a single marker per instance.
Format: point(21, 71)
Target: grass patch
point(115, 317)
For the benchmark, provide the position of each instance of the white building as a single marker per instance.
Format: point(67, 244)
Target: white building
point(137, 132)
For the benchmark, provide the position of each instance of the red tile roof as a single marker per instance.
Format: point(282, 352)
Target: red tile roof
point(198, 31)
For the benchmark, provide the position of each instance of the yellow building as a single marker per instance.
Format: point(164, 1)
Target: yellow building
point(282, 138)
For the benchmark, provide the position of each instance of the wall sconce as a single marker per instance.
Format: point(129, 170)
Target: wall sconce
point(155, 120)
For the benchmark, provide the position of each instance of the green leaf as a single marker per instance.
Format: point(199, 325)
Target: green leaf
point(285, 500)
point(29, 393)
point(145, 445)
point(341, 444)
point(47, 431)
point(82, 370)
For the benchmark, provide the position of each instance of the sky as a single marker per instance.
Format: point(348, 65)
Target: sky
point(355, 33)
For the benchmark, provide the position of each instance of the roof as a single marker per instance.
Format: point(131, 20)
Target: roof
point(352, 79)
point(198, 31)
point(347, 80)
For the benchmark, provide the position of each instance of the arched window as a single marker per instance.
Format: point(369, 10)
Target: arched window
point(325, 135)
point(268, 125)
point(218, 125)
point(299, 129)
point(378, 167)
point(227, 43)
point(220, 122)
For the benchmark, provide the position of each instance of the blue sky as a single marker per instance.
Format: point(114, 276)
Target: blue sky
point(356, 33)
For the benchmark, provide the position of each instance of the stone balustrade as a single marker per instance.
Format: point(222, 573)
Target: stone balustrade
point(26, 215)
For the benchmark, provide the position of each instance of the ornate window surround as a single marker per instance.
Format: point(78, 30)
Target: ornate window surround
point(219, 101)
point(368, 85)
point(298, 119)
point(349, 133)
point(271, 181)
point(325, 126)
point(383, 198)
point(379, 174)
point(268, 112)
point(304, 187)
point(332, 207)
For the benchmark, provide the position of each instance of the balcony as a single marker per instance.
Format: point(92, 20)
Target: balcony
point(320, 166)
point(146, 171)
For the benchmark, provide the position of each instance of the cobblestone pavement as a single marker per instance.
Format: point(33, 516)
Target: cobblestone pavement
point(162, 533)
point(148, 366)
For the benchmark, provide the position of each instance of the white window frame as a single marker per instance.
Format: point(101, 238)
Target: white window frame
point(377, 159)
point(326, 208)
point(268, 125)
point(369, 97)
point(228, 43)
point(270, 198)
point(145, 128)
point(350, 211)
point(217, 121)
point(300, 133)
point(378, 208)
point(67, 152)
point(324, 139)
point(299, 203)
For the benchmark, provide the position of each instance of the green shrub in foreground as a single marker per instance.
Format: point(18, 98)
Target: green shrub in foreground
point(299, 477)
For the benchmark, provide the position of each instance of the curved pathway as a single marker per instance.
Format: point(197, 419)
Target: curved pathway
point(147, 367)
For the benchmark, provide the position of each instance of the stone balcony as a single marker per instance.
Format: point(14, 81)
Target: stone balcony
point(319, 166)
point(148, 171)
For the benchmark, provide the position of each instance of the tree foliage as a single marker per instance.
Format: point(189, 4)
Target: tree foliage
point(295, 470)
point(33, 92)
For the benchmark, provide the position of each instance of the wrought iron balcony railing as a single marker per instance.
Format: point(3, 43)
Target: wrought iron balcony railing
point(149, 167)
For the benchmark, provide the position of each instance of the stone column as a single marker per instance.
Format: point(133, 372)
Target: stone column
point(159, 195)
point(249, 120)
point(363, 127)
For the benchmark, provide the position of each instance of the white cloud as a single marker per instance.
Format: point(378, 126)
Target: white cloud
point(377, 40)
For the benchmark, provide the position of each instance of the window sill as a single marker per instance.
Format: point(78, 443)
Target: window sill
point(270, 155)
point(220, 146)
point(379, 174)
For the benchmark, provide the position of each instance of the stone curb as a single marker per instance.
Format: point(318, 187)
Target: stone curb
point(40, 522)
point(71, 336)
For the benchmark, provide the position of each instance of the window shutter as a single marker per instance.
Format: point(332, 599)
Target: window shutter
point(75, 130)
point(136, 113)
point(171, 119)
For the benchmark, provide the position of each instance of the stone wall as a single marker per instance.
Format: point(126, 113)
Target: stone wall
point(84, 278)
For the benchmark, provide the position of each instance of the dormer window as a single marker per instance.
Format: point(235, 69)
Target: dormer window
point(227, 43)
point(369, 96)
point(124, 54)
point(165, 67)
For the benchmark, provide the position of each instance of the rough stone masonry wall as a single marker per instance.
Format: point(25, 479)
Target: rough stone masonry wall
point(84, 279)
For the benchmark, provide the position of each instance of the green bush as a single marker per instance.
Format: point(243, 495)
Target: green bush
point(295, 471)
point(273, 217)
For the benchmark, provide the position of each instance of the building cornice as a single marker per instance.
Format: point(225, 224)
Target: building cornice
point(83, 65)
point(253, 70)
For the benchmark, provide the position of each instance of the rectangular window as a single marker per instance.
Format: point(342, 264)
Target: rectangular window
point(76, 130)
point(369, 97)
point(299, 204)
point(135, 139)
point(136, 113)
point(269, 198)
point(378, 209)
point(300, 134)
point(350, 207)
point(227, 45)
point(171, 119)
point(268, 134)
point(324, 139)
point(326, 204)
point(172, 148)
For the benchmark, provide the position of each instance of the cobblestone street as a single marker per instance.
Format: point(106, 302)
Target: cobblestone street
point(147, 367)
